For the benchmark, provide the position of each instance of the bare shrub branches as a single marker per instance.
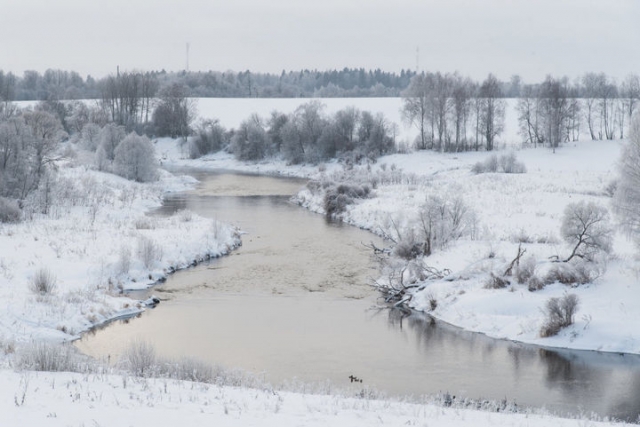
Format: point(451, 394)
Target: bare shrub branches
point(559, 312)
point(43, 282)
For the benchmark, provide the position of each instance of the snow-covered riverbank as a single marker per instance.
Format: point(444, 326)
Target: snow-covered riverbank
point(95, 242)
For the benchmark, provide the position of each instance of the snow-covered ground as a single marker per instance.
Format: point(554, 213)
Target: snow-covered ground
point(63, 399)
point(96, 242)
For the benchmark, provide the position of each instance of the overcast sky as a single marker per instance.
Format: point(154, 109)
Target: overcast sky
point(531, 38)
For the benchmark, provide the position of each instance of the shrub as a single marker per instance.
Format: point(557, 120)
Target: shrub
point(140, 359)
point(43, 282)
point(526, 269)
point(496, 282)
point(124, 260)
point(144, 223)
point(559, 314)
point(48, 357)
point(535, 284)
point(9, 211)
point(134, 159)
point(507, 163)
point(149, 251)
point(567, 274)
point(338, 197)
point(184, 215)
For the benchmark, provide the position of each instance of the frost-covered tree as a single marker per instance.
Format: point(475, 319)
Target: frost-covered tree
point(210, 137)
point(175, 112)
point(250, 142)
point(110, 137)
point(492, 110)
point(627, 196)
point(300, 135)
point(415, 107)
point(46, 135)
point(90, 136)
point(135, 159)
point(585, 226)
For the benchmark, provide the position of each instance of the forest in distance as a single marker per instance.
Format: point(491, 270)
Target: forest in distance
point(56, 84)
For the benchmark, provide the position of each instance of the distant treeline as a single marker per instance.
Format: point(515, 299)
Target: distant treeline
point(59, 85)
point(348, 82)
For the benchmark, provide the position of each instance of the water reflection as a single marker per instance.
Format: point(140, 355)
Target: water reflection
point(564, 381)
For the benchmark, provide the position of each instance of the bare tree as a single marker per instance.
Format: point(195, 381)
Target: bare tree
point(627, 195)
point(630, 94)
point(586, 227)
point(175, 112)
point(415, 106)
point(492, 110)
point(250, 141)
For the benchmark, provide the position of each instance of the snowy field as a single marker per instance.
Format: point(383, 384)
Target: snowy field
point(99, 241)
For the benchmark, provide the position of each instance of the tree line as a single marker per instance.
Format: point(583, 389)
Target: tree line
point(307, 135)
point(455, 113)
point(69, 85)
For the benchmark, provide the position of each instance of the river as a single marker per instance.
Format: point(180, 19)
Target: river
point(294, 303)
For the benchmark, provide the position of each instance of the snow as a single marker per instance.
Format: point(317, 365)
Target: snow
point(64, 399)
point(99, 221)
point(81, 242)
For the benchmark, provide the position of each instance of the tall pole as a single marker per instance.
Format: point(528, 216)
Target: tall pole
point(187, 69)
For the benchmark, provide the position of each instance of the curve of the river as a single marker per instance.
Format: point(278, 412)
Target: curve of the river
point(294, 302)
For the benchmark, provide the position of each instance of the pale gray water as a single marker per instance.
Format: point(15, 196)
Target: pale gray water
point(294, 302)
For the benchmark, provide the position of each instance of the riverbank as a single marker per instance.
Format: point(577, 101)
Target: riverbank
point(511, 210)
point(95, 242)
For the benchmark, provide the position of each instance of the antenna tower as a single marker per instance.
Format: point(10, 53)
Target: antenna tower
point(187, 69)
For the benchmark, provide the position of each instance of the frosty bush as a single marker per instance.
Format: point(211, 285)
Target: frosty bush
point(149, 251)
point(210, 137)
point(534, 283)
point(507, 163)
point(124, 260)
point(90, 136)
point(559, 314)
point(140, 359)
point(526, 269)
point(9, 210)
point(48, 357)
point(338, 197)
point(496, 282)
point(250, 141)
point(134, 159)
point(567, 274)
point(43, 282)
point(190, 369)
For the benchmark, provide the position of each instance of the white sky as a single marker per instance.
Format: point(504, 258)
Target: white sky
point(527, 37)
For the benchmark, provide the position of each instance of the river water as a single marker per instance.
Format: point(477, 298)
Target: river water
point(294, 302)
